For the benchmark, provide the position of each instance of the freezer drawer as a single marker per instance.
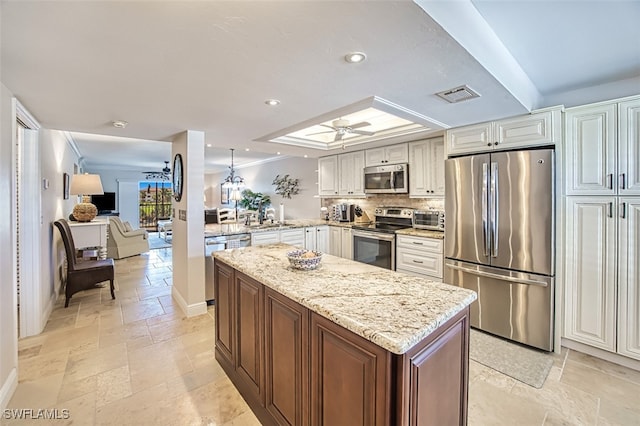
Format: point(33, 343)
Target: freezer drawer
point(514, 305)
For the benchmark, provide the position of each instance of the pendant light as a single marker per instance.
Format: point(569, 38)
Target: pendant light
point(233, 181)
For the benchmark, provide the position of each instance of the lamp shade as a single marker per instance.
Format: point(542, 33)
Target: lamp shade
point(236, 195)
point(86, 184)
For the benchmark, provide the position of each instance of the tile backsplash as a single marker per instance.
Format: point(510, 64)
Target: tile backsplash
point(370, 203)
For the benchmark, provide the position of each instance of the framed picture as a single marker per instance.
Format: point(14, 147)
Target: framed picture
point(65, 186)
point(225, 195)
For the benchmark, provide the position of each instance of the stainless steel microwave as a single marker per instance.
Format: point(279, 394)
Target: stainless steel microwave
point(387, 179)
point(429, 219)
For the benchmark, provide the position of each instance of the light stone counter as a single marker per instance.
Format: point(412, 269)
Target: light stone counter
point(218, 229)
point(391, 309)
point(438, 235)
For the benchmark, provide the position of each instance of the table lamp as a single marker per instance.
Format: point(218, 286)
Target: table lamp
point(236, 196)
point(85, 185)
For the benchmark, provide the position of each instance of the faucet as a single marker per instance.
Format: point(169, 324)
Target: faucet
point(247, 220)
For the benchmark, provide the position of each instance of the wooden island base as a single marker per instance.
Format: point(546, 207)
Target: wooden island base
point(295, 367)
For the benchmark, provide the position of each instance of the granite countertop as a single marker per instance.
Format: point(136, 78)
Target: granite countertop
point(218, 229)
point(439, 235)
point(391, 309)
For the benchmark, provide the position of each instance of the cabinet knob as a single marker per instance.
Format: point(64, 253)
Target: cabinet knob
point(495, 143)
point(489, 144)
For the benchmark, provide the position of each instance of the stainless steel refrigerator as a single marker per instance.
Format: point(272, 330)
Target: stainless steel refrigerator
point(499, 241)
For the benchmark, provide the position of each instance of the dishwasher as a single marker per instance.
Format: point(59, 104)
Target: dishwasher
point(218, 243)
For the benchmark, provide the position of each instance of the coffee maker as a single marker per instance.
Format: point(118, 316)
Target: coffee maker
point(344, 212)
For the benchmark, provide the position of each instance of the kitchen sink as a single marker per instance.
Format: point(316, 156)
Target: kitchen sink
point(266, 225)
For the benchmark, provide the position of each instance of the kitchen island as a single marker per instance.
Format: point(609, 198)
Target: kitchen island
point(347, 343)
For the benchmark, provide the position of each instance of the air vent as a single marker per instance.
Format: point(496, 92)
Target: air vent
point(458, 94)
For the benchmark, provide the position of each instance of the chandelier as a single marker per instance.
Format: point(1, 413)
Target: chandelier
point(165, 174)
point(233, 181)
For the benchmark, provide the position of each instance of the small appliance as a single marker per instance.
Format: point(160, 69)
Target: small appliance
point(387, 179)
point(344, 212)
point(431, 219)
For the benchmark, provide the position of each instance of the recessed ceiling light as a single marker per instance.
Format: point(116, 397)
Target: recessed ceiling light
point(209, 145)
point(120, 124)
point(246, 149)
point(355, 57)
point(305, 156)
point(278, 153)
point(272, 102)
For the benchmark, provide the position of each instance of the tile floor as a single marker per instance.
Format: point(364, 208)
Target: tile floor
point(137, 360)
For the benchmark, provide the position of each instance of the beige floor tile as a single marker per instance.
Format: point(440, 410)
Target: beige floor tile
point(72, 389)
point(175, 328)
point(39, 393)
point(43, 365)
point(245, 419)
point(614, 414)
point(113, 385)
point(94, 362)
point(82, 410)
point(493, 405)
point(142, 310)
point(147, 407)
point(604, 366)
point(153, 292)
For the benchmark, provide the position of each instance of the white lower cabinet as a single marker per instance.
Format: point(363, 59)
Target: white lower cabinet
point(294, 236)
point(420, 256)
point(266, 237)
point(316, 238)
point(341, 242)
point(600, 310)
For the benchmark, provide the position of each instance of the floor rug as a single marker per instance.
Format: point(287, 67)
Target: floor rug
point(529, 366)
point(156, 242)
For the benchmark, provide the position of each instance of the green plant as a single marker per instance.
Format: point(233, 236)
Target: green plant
point(251, 200)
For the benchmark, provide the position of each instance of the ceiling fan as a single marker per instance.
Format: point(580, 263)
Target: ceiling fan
point(165, 174)
point(343, 127)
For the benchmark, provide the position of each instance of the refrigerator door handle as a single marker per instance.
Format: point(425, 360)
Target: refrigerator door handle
point(485, 219)
point(494, 211)
point(497, 276)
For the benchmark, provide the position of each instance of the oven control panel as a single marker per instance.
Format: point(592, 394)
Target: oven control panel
point(401, 212)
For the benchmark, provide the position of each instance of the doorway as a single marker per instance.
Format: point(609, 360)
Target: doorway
point(155, 203)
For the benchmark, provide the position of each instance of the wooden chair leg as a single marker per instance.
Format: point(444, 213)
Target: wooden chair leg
point(113, 296)
point(66, 302)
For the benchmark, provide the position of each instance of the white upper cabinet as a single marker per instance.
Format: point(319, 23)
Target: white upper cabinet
point(603, 149)
point(328, 176)
point(394, 154)
point(629, 278)
point(629, 147)
point(426, 168)
point(350, 175)
point(590, 156)
point(536, 129)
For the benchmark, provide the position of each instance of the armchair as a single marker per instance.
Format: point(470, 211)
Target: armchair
point(82, 275)
point(124, 241)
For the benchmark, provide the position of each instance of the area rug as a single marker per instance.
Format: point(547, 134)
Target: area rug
point(526, 365)
point(156, 242)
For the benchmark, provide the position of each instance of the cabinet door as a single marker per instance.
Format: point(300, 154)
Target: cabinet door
point(396, 154)
point(629, 278)
point(629, 148)
point(469, 139)
point(322, 239)
point(225, 316)
point(310, 238)
point(418, 172)
point(295, 237)
point(357, 179)
point(268, 237)
point(374, 157)
point(436, 167)
point(348, 377)
point(590, 156)
point(286, 360)
point(328, 176)
point(529, 130)
point(350, 182)
point(347, 244)
point(249, 323)
point(335, 241)
point(590, 287)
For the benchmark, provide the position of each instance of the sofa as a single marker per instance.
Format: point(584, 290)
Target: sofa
point(123, 241)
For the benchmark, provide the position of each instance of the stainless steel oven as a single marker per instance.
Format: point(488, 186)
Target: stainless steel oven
point(375, 248)
point(429, 219)
point(375, 244)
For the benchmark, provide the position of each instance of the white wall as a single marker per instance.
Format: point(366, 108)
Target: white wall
point(8, 313)
point(56, 158)
point(304, 205)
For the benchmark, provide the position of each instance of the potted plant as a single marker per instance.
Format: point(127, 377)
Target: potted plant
point(251, 200)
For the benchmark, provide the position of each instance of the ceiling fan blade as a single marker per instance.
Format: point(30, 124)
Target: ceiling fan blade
point(360, 124)
point(363, 132)
point(329, 127)
point(338, 137)
point(319, 133)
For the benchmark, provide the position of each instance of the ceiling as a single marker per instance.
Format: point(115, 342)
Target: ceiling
point(170, 66)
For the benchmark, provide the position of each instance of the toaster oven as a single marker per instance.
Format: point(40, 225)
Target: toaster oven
point(429, 219)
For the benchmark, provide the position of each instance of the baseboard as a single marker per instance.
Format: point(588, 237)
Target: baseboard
point(8, 388)
point(47, 310)
point(189, 310)
point(602, 354)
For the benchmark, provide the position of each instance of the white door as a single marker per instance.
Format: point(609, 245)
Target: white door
point(629, 278)
point(590, 155)
point(129, 202)
point(629, 148)
point(590, 272)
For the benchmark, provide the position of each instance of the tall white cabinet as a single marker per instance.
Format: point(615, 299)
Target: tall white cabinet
point(426, 168)
point(602, 226)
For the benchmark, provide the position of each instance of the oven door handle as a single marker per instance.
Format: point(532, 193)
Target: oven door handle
point(374, 235)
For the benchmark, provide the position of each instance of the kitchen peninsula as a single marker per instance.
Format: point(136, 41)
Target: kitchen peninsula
point(347, 343)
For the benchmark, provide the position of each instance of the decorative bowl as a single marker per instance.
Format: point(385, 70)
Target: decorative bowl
point(304, 259)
